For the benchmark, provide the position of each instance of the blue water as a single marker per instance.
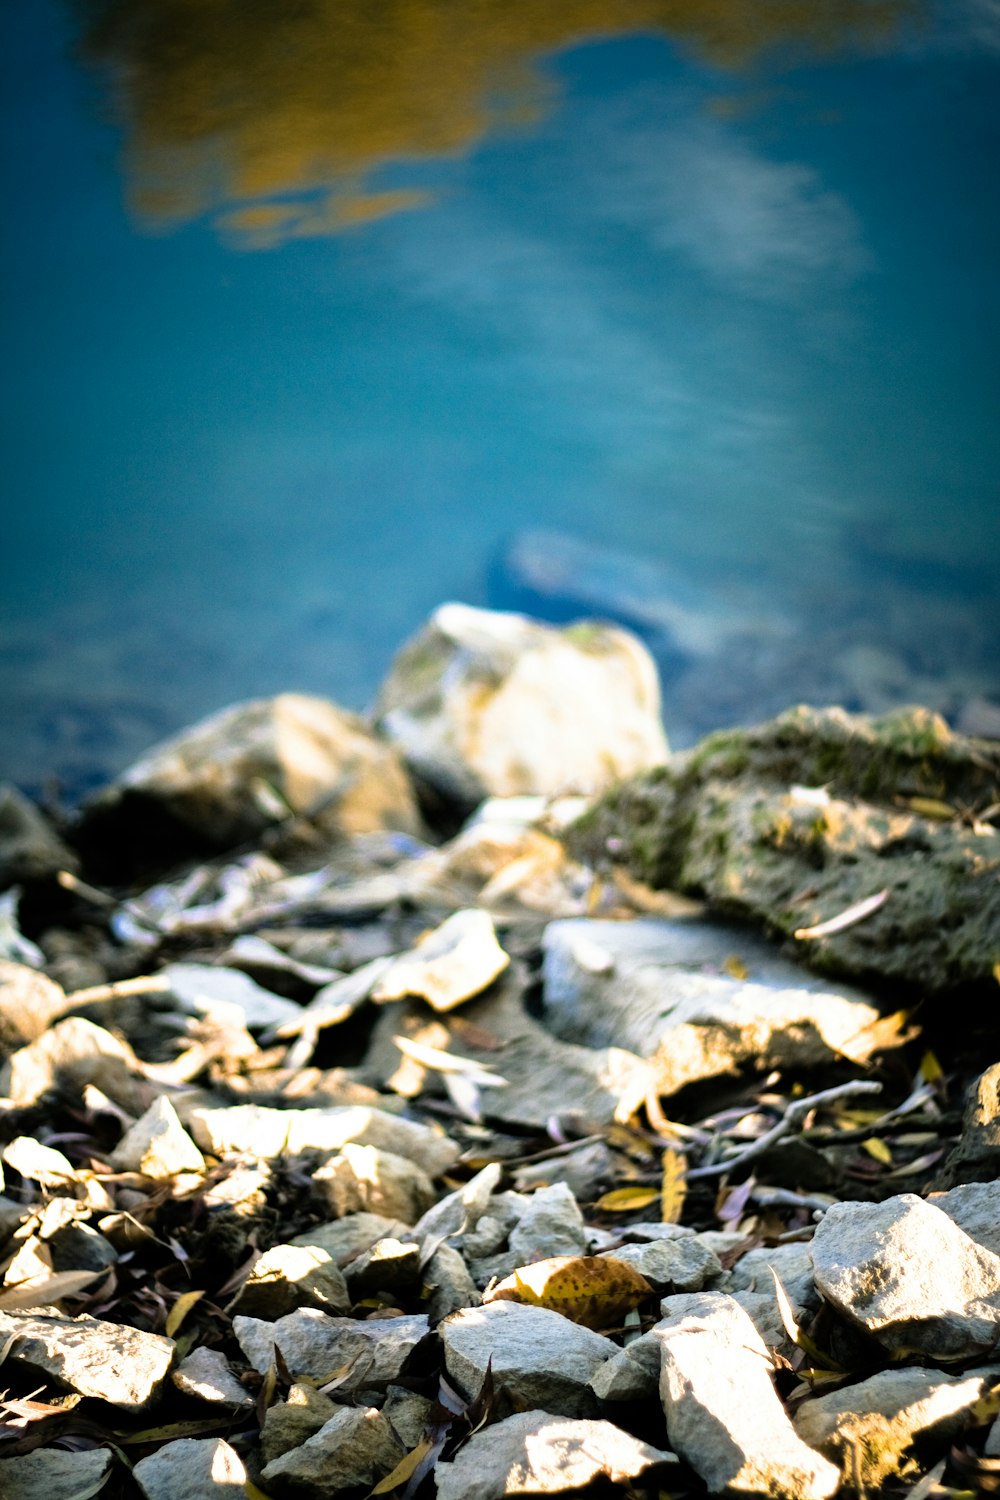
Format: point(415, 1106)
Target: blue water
point(739, 320)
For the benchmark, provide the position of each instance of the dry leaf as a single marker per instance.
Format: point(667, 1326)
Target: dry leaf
point(44, 1293)
point(406, 1466)
point(795, 1333)
point(622, 1200)
point(673, 1186)
point(735, 967)
point(180, 1310)
point(878, 1150)
point(595, 1291)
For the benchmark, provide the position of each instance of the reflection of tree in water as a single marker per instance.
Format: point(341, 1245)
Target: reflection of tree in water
point(278, 112)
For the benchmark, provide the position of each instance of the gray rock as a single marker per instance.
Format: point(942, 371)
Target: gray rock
point(390, 1265)
point(75, 1052)
point(77, 1247)
point(30, 848)
point(727, 821)
point(29, 1004)
point(534, 1453)
point(229, 777)
point(369, 1353)
point(449, 1284)
point(632, 1374)
point(660, 989)
point(122, 1365)
point(212, 990)
point(408, 1413)
point(976, 1157)
point(904, 1272)
point(362, 1179)
point(538, 1356)
point(52, 1474)
point(551, 1224)
point(353, 1451)
point(254, 1129)
point(192, 1469)
point(868, 1427)
point(460, 1210)
point(490, 704)
point(157, 1144)
point(975, 1208)
point(289, 1423)
point(206, 1376)
point(723, 1414)
point(343, 1239)
point(683, 1264)
point(290, 1276)
point(450, 964)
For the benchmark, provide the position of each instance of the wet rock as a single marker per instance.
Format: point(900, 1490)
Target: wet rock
point(254, 1129)
point(976, 1157)
point(73, 1053)
point(538, 1356)
point(52, 1474)
point(868, 1427)
point(228, 778)
point(904, 1272)
point(192, 1469)
point(290, 1276)
point(799, 819)
point(353, 1451)
point(211, 990)
point(666, 990)
point(290, 1423)
point(370, 1353)
point(29, 1004)
point(122, 1365)
point(363, 1179)
point(677, 1265)
point(534, 1453)
point(975, 1208)
point(723, 1414)
point(457, 960)
point(157, 1145)
point(30, 848)
point(550, 1225)
point(484, 703)
point(205, 1375)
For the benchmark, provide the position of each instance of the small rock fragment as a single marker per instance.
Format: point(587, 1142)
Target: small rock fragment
point(904, 1272)
point(290, 1276)
point(535, 1453)
point(205, 1375)
point(38, 1163)
point(723, 1414)
point(539, 1356)
point(122, 1365)
point(52, 1474)
point(975, 1208)
point(451, 964)
point(364, 1179)
point(632, 1373)
point(683, 1264)
point(409, 1414)
point(369, 1353)
point(390, 1265)
point(192, 1469)
point(551, 1224)
point(157, 1145)
point(449, 1284)
point(343, 1239)
point(353, 1451)
point(289, 1423)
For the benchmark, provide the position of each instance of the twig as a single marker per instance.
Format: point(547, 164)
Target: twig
point(118, 989)
point(846, 918)
point(795, 1112)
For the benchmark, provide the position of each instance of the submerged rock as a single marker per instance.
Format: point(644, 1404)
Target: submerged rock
point(483, 704)
point(795, 822)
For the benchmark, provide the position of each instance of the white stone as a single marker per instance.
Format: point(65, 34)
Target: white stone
point(157, 1144)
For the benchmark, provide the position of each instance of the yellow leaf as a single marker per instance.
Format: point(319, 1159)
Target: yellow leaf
point(673, 1186)
point(735, 967)
point(406, 1466)
point(930, 1069)
point(985, 1409)
point(795, 1333)
point(180, 1310)
point(996, 972)
point(877, 1149)
point(623, 1199)
point(595, 1291)
point(931, 807)
point(252, 1492)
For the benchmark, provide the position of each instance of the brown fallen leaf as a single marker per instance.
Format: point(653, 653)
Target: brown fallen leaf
point(673, 1185)
point(595, 1291)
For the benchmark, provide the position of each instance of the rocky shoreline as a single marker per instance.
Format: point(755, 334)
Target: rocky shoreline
point(482, 1100)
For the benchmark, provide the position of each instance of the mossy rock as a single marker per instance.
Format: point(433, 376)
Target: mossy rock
point(899, 808)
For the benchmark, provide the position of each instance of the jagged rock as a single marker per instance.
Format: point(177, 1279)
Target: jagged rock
point(390, 1265)
point(632, 1373)
point(205, 1375)
point(551, 1224)
point(157, 1144)
point(122, 1365)
point(450, 964)
point(30, 848)
point(262, 1132)
point(353, 1451)
point(289, 1423)
point(484, 703)
point(535, 1453)
point(661, 989)
point(52, 1474)
point(904, 1272)
point(868, 1427)
point(683, 1264)
point(408, 1413)
point(976, 1157)
point(975, 1208)
point(313, 1345)
point(228, 778)
point(795, 821)
point(290, 1276)
point(448, 1283)
point(363, 1179)
point(29, 1004)
point(342, 1239)
point(211, 990)
point(75, 1052)
point(723, 1414)
point(77, 1247)
point(192, 1469)
point(538, 1356)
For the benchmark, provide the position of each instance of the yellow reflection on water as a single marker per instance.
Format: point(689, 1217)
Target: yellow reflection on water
point(274, 117)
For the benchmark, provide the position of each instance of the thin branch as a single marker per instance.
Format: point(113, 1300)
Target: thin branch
point(796, 1111)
